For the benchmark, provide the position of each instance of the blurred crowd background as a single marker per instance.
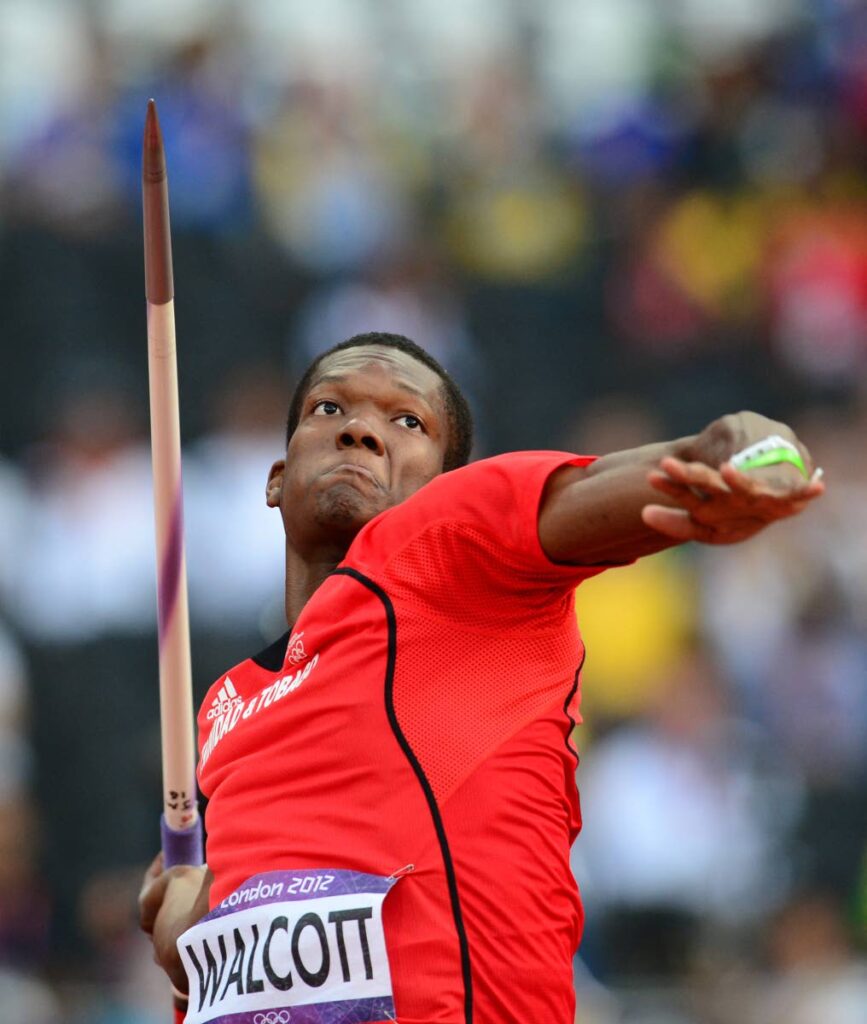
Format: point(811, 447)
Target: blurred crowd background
point(613, 220)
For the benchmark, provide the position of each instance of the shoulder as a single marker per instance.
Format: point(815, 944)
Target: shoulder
point(489, 505)
point(510, 470)
point(237, 682)
point(485, 490)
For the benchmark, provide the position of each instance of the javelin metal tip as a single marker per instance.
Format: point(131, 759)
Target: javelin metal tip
point(153, 152)
point(159, 285)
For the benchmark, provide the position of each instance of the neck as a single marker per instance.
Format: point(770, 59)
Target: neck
point(305, 573)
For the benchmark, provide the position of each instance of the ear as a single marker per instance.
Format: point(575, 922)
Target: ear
point(274, 487)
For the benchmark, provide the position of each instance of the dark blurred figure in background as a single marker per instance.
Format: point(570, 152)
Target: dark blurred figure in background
point(814, 972)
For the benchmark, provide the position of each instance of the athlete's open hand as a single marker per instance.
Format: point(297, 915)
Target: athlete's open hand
point(725, 505)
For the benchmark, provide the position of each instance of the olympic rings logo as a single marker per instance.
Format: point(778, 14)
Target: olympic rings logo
point(272, 1017)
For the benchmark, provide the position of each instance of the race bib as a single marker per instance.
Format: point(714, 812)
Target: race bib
point(292, 947)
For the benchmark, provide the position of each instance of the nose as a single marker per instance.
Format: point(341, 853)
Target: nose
point(358, 433)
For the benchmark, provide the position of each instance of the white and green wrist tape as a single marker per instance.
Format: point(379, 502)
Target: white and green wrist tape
point(770, 451)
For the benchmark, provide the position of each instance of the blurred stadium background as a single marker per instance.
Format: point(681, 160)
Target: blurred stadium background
point(613, 220)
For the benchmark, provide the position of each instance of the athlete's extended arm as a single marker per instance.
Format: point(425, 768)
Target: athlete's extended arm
point(171, 901)
point(636, 502)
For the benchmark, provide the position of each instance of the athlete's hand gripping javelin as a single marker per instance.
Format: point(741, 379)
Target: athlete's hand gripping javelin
point(171, 901)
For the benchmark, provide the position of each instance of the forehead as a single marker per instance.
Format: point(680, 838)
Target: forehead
point(375, 366)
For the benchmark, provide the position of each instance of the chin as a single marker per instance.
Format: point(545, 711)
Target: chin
point(344, 509)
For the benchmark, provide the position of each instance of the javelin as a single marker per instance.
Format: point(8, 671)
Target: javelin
point(180, 825)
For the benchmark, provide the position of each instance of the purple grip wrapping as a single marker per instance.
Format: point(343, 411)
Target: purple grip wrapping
point(182, 846)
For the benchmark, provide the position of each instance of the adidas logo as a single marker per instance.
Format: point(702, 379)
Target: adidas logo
point(226, 699)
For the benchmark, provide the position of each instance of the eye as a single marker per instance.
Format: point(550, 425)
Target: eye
point(326, 408)
point(411, 422)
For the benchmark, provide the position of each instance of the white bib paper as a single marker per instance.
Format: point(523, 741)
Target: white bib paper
point(292, 947)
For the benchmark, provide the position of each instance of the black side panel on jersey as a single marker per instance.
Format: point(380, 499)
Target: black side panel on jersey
point(433, 807)
point(271, 659)
point(572, 723)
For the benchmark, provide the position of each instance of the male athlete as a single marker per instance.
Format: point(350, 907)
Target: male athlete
point(392, 785)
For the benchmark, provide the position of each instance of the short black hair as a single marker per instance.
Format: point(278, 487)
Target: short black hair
point(460, 419)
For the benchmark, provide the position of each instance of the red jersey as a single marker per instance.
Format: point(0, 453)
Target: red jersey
point(419, 715)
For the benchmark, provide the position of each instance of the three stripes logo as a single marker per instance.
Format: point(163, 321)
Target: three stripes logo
point(227, 698)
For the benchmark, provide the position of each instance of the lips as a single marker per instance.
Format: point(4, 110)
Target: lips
point(354, 469)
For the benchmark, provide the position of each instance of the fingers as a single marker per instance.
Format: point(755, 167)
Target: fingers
point(153, 890)
point(680, 525)
point(722, 517)
point(155, 868)
point(772, 501)
point(726, 505)
point(690, 484)
point(675, 523)
point(694, 485)
point(694, 474)
point(150, 900)
point(805, 455)
point(742, 482)
point(687, 497)
point(789, 482)
point(731, 483)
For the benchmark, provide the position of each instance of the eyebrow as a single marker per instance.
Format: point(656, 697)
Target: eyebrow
point(341, 378)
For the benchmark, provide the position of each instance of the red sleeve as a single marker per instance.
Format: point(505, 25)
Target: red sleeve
point(481, 519)
point(180, 1016)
